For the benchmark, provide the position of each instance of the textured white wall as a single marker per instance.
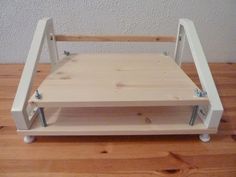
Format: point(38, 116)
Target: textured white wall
point(215, 21)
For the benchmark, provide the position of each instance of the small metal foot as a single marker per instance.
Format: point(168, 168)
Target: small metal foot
point(205, 138)
point(29, 139)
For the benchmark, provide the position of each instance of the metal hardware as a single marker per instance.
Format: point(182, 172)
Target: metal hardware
point(42, 117)
point(180, 38)
point(165, 53)
point(38, 95)
point(29, 139)
point(203, 111)
point(205, 138)
point(200, 93)
point(67, 53)
point(194, 115)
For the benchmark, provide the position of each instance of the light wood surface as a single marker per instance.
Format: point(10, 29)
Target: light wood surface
point(112, 156)
point(86, 38)
point(107, 80)
point(118, 121)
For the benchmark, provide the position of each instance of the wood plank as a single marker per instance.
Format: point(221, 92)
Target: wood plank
point(87, 38)
point(107, 80)
point(118, 121)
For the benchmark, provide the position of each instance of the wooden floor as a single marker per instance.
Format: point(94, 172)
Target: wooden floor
point(131, 156)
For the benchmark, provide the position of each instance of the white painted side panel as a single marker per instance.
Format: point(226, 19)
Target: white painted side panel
point(22, 94)
point(207, 82)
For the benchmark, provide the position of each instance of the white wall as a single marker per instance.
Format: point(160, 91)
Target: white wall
point(215, 21)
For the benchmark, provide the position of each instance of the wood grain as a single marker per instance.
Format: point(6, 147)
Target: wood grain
point(108, 156)
point(110, 80)
point(86, 38)
point(118, 121)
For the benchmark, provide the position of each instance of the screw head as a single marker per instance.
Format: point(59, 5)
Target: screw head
point(180, 38)
point(38, 95)
point(67, 53)
point(200, 93)
point(165, 53)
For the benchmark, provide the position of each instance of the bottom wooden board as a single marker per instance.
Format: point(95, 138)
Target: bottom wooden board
point(118, 121)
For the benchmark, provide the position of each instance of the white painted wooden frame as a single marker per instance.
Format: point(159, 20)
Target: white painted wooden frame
point(215, 110)
point(44, 29)
point(22, 114)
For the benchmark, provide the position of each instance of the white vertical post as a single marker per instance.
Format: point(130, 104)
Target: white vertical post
point(18, 110)
point(179, 46)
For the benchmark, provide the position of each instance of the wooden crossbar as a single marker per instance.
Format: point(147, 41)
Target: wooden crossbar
point(86, 38)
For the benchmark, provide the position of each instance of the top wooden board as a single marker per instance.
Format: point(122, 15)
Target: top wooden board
point(107, 80)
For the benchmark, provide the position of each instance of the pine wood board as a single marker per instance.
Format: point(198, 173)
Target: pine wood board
point(106, 38)
point(112, 156)
point(108, 80)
